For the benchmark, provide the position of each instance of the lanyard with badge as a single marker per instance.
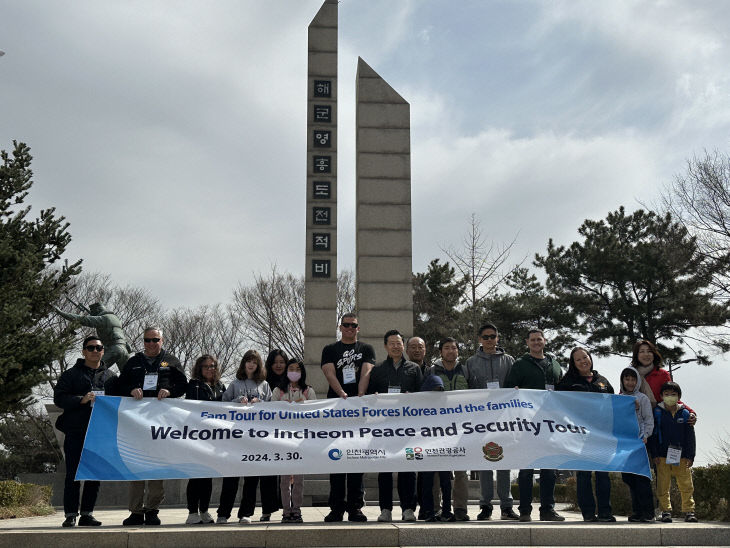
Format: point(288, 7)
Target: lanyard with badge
point(674, 454)
point(548, 385)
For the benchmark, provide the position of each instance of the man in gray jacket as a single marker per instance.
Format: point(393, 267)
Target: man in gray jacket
point(488, 369)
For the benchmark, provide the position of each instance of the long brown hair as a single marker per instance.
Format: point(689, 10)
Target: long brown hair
point(197, 372)
point(260, 373)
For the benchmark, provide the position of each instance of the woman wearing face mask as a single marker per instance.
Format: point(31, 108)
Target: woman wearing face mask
point(293, 389)
point(582, 377)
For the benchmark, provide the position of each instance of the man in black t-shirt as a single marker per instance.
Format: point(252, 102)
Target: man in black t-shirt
point(346, 365)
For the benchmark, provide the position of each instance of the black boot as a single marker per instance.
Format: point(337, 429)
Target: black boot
point(150, 518)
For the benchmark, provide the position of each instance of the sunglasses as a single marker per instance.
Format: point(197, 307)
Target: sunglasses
point(210, 367)
point(488, 337)
point(351, 325)
point(154, 340)
point(94, 347)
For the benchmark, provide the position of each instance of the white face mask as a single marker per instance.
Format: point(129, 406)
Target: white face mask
point(293, 376)
point(671, 401)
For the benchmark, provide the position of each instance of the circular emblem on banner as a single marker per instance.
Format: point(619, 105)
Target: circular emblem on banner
point(493, 452)
point(335, 454)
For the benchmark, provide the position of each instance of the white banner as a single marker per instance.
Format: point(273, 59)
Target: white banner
point(460, 430)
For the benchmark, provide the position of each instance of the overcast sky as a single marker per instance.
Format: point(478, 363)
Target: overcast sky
point(172, 134)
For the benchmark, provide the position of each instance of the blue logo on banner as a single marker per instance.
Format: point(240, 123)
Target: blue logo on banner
point(335, 454)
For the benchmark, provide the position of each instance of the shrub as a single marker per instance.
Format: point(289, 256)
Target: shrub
point(13, 493)
point(712, 492)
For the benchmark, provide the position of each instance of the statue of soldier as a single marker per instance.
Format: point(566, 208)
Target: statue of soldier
point(109, 328)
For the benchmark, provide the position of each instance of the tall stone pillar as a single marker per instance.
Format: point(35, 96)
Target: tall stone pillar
point(383, 211)
point(320, 301)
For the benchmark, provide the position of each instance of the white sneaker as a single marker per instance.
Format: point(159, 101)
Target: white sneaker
point(409, 515)
point(221, 520)
point(385, 515)
point(193, 519)
point(205, 517)
point(245, 519)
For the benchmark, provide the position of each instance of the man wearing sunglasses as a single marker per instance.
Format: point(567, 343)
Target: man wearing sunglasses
point(346, 365)
point(153, 373)
point(75, 393)
point(488, 368)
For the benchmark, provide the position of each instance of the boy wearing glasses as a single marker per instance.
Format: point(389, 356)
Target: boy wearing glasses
point(346, 365)
point(488, 369)
point(154, 373)
point(75, 393)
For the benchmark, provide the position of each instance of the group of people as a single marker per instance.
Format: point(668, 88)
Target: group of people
point(351, 370)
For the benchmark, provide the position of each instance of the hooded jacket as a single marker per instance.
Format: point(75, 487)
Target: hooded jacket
point(484, 368)
point(458, 381)
point(643, 412)
point(432, 382)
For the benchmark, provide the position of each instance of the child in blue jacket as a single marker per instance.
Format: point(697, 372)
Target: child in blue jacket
point(672, 446)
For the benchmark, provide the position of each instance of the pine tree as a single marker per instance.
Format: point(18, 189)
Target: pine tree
point(437, 294)
point(637, 276)
point(31, 280)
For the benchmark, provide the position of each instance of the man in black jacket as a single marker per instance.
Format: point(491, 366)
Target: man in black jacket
point(149, 374)
point(393, 376)
point(75, 393)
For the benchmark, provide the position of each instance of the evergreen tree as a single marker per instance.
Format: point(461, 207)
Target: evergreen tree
point(437, 294)
point(31, 280)
point(636, 276)
point(525, 306)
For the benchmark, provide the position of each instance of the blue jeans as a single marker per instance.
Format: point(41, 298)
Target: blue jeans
point(486, 481)
point(547, 490)
point(584, 489)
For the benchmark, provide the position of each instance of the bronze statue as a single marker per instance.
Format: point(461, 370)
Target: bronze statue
point(108, 328)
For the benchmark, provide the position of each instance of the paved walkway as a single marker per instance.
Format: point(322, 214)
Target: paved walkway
point(46, 530)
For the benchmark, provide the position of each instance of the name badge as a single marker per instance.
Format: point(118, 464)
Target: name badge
point(674, 453)
point(493, 385)
point(394, 390)
point(96, 393)
point(348, 375)
point(549, 387)
point(150, 381)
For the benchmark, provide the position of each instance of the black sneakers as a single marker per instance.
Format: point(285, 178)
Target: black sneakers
point(551, 515)
point(485, 514)
point(87, 520)
point(151, 518)
point(70, 521)
point(356, 515)
point(134, 519)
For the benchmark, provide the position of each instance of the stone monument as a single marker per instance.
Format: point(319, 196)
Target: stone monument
point(384, 287)
point(320, 301)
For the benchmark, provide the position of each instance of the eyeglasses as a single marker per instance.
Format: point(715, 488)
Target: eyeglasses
point(154, 340)
point(210, 367)
point(350, 325)
point(94, 347)
point(488, 337)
